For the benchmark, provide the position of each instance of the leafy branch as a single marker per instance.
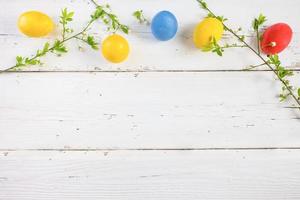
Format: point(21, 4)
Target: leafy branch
point(108, 18)
point(65, 18)
point(257, 23)
point(282, 74)
point(218, 49)
point(90, 40)
point(139, 15)
point(58, 46)
point(273, 62)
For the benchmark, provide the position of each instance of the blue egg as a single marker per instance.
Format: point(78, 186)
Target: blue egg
point(164, 25)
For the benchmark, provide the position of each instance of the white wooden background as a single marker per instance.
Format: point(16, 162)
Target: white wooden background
point(169, 123)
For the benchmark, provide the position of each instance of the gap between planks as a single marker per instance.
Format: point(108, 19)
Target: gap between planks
point(142, 71)
point(158, 149)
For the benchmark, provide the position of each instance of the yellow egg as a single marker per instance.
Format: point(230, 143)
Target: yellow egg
point(115, 48)
point(205, 31)
point(35, 24)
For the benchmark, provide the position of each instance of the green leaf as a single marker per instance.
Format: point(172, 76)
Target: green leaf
point(70, 16)
point(66, 16)
point(221, 18)
point(242, 37)
point(109, 19)
point(283, 97)
point(59, 47)
point(215, 47)
point(259, 21)
point(98, 13)
point(32, 61)
point(203, 4)
point(138, 14)
point(91, 41)
point(210, 15)
point(113, 17)
point(45, 49)
point(19, 59)
point(113, 23)
point(274, 59)
point(106, 21)
point(298, 92)
point(125, 29)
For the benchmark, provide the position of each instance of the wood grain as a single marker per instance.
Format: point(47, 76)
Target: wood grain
point(148, 54)
point(164, 175)
point(170, 123)
point(144, 110)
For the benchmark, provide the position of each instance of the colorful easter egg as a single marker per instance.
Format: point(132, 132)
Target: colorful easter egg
point(35, 24)
point(276, 38)
point(164, 26)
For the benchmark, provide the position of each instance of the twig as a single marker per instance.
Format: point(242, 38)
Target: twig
point(288, 88)
point(254, 66)
point(257, 40)
point(108, 18)
point(53, 46)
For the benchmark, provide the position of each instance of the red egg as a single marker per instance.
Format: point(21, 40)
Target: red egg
point(276, 38)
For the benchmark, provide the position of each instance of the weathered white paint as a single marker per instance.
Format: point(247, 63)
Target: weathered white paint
point(145, 110)
point(163, 175)
point(146, 52)
point(78, 117)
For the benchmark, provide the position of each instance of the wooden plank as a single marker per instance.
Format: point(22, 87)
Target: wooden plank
point(164, 175)
point(146, 53)
point(145, 110)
